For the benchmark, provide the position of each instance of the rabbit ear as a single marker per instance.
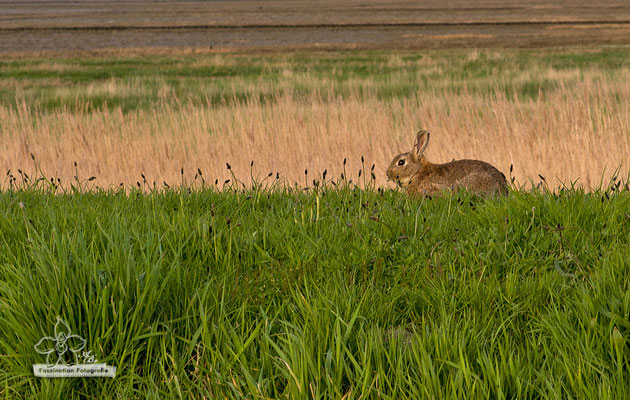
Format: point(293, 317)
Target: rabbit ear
point(422, 140)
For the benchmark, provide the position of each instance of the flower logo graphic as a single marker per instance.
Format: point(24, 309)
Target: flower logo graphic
point(63, 352)
point(59, 345)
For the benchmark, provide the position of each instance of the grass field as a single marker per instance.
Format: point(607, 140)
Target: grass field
point(334, 293)
point(217, 223)
point(561, 113)
point(142, 82)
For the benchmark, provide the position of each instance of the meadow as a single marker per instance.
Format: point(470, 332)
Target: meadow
point(558, 113)
point(337, 292)
point(219, 225)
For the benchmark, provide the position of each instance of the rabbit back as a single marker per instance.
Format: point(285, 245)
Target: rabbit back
point(473, 175)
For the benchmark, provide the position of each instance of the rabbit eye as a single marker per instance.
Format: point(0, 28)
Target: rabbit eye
point(401, 162)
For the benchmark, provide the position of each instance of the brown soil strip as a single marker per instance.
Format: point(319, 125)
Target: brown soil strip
point(324, 26)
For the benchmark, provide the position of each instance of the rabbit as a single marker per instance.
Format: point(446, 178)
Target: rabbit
point(413, 172)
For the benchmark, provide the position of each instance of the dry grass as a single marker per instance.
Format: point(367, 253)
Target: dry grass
point(578, 134)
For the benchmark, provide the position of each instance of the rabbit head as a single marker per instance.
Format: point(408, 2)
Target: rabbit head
point(404, 166)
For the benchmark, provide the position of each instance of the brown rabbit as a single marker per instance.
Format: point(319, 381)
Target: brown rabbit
point(417, 175)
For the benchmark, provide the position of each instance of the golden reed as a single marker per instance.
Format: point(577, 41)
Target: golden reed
point(582, 135)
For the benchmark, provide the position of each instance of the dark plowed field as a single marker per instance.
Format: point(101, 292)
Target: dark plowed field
point(276, 25)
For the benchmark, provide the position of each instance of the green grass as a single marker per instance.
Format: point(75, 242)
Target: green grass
point(337, 292)
point(340, 292)
point(216, 79)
